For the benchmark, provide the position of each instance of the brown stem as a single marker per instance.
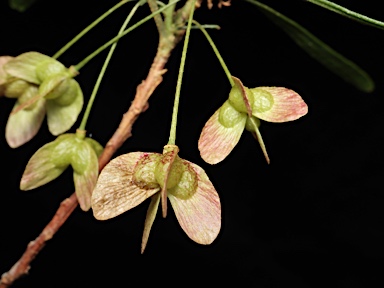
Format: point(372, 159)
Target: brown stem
point(22, 266)
point(140, 103)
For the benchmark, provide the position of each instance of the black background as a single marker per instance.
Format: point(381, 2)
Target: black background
point(312, 218)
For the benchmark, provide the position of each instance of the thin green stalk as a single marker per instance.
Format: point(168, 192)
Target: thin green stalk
point(168, 19)
point(348, 13)
point(206, 26)
point(172, 133)
point(88, 28)
point(106, 62)
point(226, 70)
point(114, 39)
point(158, 20)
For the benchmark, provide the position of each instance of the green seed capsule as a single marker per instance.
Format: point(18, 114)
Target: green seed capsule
point(54, 86)
point(187, 185)
point(80, 156)
point(61, 154)
point(49, 68)
point(30, 92)
point(229, 116)
point(144, 171)
point(16, 88)
point(236, 98)
point(174, 175)
point(263, 100)
point(69, 94)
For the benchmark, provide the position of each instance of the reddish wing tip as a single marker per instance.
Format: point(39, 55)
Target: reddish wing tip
point(200, 215)
point(115, 192)
point(288, 105)
point(216, 141)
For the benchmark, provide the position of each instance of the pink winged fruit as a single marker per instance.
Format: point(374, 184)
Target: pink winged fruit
point(41, 85)
point(244, 109)
point(53, 158)
point(129, 179)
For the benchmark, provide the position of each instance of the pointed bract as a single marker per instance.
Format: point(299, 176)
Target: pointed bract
point(200, 214)
point(287, 105)
point(167, 174)
point(115, 192)
point(149, 219)
point(217, 141)
point(85, 181)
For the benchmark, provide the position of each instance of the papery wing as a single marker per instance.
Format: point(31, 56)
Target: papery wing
point(115, 192)
point(149, 219)
point(40, 168)
point(287, 104)
point(24, 66)
point(24, 125)
point(200, 214)
point(61, 118)
point(217, 141)
point(85, 182)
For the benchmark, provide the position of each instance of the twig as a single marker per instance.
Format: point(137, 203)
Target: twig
point(158, 20)
point(123, 132)
point(22, 266)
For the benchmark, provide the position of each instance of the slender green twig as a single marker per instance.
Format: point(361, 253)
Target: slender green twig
point(114, 39)
point(168, 19)
point(106, 62)
point(206, 26)
point(88, 28)
point(221, 60)
point(172, 134)
point(348, 13)
point(158, 20)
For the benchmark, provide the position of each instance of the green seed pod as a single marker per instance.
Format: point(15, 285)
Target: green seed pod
point(174, 175)
point(49, 68)
point(30, 92)
point(61, 155)
point(69, 94)
point(263, 100)
point(54, 86)
point(236, 98)
point(144, 171)
point(187, 185)
point(15, 88)
point(80, 155)
point(229, 116)
point(249, 124)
